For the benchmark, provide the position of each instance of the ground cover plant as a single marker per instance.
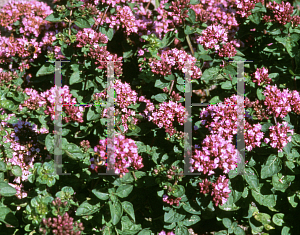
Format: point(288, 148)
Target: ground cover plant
point(152, 43)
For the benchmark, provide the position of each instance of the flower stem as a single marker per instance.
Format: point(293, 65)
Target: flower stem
point(190, 44)
point(173, 81)
point(275, 119)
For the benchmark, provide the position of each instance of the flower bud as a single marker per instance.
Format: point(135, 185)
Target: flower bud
point(54, 231)
point(44, 221)
point(65, 203)
point(78, 233)
point(53, 203)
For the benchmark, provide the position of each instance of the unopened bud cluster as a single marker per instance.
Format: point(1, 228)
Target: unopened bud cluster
point(61, 225)
point(174, 171)
point(58, 203)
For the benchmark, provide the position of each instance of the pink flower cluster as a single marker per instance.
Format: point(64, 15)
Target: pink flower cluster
point(295, 102)
point(34, 101)
point(228, 50)
point(174, 59)
point(217, 152)
point(166, 233)
point(221, 118)
point(101, 56)
point(205, 186)
point(11, 47)
point(91, 37)
point(127, 19)
point(261, 76)
point(220, 190)
point(177, 11)
point(164, 116)
point(26, 149)
point(252, 135)
point(219, 14)
point(212, 36)
point(171, 200)
point(125, 154)
point(280, 12)
point(30, 14)
point(245, 6)
point(125, 96)
point(278, 136)
point(281, 103)
point(74, 113)
point(174, 96)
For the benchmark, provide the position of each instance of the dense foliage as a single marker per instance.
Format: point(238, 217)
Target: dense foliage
point(151, 44)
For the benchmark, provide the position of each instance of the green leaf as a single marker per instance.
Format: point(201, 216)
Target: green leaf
point(189, 30)
point(116, 211)
point(46, 69)
point(6, 190)
point(191, 221)
point(251, 179)
point(92, 115)
point(265, 200)
point(100, 195)
point(2, 166)
point(170, 77)
point(160, 84)
point(271, 167)
point(173, 216)
point(209, 74)
point(128, 208)
point(226, 85)
point(17, 171)
point(278, 219)
point(7, 217)
point(283, 183)
point(145, 232)
point(181, 230)
point(194, 2)
point(124, 190)
point(239, 231)
point(255, 17)
point(86, 209)
point(74, 150)
point(7, 104)
point(82, 23)
point(54, 17)
point(187, 207)
point(168, 39)
point(227, 222)
point(291, 47)
point(160, 97)
point(180, 88)
point(75, 78)
point(222, 232)
point(192, 15)
point(263, 218)
point(229, 205)
point(205, 57)
point(259, 93)
point(179, 191)
point(285, 231)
